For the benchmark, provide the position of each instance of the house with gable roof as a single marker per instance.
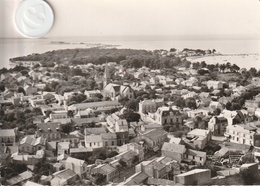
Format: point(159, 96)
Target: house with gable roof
point(105, 169)
point(152, 139)
point(76, 165)
point(174, 151)
point(30, 144)
point(8, 136)
point(115, 91)
point(64, 177)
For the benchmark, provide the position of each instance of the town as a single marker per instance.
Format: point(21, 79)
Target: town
point(128, 117)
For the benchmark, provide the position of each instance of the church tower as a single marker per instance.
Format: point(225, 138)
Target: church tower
point(106, 78)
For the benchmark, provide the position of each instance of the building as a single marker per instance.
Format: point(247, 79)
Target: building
point(197, 138)
point(95, 105)
point(8, 136)
point(217, 125)
point(198, 112)
point(122, 133)
point(109, 140)
point(150, 105)
point(94, 141)
point(92, 93)
point(214, 84)
point(17, 180)
point(198, 157)
point(133, 147)
point(63, 148)
point(168, 116)
point(115, 91)
point(243, 134)
point(152, 139)
point(30, 144)
point(194, 177)
point(106, 78)
point(215, 105)
point(76, 165)
point(64, 177)
point(158, 167)
point(105, 169)
point(174, 151)
point(50, 131)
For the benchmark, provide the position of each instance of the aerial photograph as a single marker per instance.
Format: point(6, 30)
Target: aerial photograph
point(132, 92)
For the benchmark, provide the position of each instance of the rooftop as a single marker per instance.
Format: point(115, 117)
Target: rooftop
point(173, 147)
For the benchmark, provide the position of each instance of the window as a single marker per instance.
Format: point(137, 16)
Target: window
point(193, 157)
point(200, 158)
point(106, 143)
point(112, 143)
point(90, 144)
point(237, 138)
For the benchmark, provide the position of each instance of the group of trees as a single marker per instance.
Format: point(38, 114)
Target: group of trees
point(238, 102)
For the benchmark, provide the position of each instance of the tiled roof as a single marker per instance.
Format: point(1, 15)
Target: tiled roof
point(93, 138)
point(75, 161)
point(154, 134)
point(48, 127)
point(19, 178)
point(173, 147)
point(95, 104)
point(108, 168)
point(7, 133)
point(196, 153)
point(96, 130)
point(64, 174)
point(108, 136)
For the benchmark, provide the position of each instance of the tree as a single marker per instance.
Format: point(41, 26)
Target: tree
point(249, 176)
point(48, 112)
point(173, 50)
point(21, 90)
point(99, 178)
point(191, 103)
point(216, 112)
point(70, 114)
point(228, 105)
point(67, 128)
point(132, 104)
point(2, 87)
point(122, 163)
point(130, 116)
point(37, 110)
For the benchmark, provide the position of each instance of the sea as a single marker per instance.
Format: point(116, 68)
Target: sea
point(244, 51)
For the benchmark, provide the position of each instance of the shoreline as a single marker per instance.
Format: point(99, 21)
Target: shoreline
point(242, 60)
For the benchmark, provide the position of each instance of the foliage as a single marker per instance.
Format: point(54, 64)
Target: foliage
point(130, 116)
point(67, 128)
point(13, 169)
point(99, 178)
point(132, 104)
point(249, 176)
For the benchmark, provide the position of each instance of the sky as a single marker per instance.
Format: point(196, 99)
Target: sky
point(144, 17)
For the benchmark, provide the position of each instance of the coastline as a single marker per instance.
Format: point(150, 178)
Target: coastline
point(242, 60)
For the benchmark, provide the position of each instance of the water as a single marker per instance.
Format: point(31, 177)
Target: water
point(10, 48)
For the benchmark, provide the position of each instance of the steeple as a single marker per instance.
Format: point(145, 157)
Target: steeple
point(106, 78)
